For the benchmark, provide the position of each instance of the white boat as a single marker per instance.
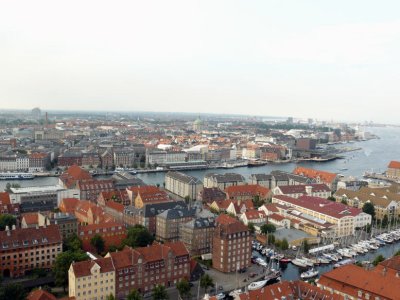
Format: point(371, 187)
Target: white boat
point(257, 285)
point(299, 262)
point(309, 274)
point(307, 261)
point(16, 176)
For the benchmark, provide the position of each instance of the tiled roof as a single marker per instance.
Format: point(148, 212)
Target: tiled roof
point(40, 295)
point(4, 198)
point(229, 224)
point(83, 268)
point(254, 214)
point(301, 188)
point(246, 190)
point(276, 217)
point(394, 164)
point(321, 205)
point(30, 218)
point(68, 205)
point(326, 177)
point(29, 237)
point(115, 206)
point(350, 279)
point(109, 225)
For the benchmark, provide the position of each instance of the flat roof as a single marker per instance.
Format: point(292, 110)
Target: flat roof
point(37, 189)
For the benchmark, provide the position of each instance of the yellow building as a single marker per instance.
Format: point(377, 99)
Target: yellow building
point(91, 279)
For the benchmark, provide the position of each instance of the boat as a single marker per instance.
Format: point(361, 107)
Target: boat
point(16, 176)
point(273, 275)
point(285, 260)
point(344, 262)
point(299, 263)
point(309, 274)
point(257, 285)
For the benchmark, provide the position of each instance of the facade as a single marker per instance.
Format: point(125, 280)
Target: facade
point(209, 195)
point(70, 158)
point(183, 185)
point(143, 268)
point(123, 158)
point(146, 196)
point(162, 158)
point(112, 233)
point(6, 207)
point(330, 179)
point(393, 170)
point(168, 223)
point(231, 244)
point(345, 218)
point(90, 159)
point(28, 248)
point(91, 279)
point(248, 191)
point(91, 188)
point(14, 162)
point(197, 235)
point(222, 181)
point(253, 216)
point(39, 162)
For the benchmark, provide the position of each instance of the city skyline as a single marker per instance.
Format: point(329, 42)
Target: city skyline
point(306, 59)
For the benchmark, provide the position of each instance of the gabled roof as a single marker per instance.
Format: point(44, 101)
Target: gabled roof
point(249, 190)
point(40, 295)
point(255, 214)
point(82, 268)
point(302, 188)
point(326, 177)
point(30, 218)
point(394, 164)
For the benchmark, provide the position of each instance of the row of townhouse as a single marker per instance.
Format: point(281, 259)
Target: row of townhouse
point(35, 162)
point(120, 272)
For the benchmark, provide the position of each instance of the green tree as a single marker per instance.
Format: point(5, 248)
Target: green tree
point(397, 253)
point(97, 242)
point(257, 201)
point(206, 281)
point(344, 201)
point(72, 243)
point(63, 262)
point(378, 259)
point(251, 227)
point(13, 291)
point(134, 295)
point(160, 293)
point(7, 220)
point(187, 199)
point(110, 297)
point(306, 246)
point(284, 244)
point(331, 198)
point(385, 221)
point(268, 228)
point(184, 288)
point(138, 236)
point(369, 208)
point(271, 239)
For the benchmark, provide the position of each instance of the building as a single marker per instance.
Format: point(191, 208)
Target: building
point(40, 295)
point(25, 249)
point(168, 223)
point(353, 282)
point(345, 218)
point(90, 189)
point(14, 162)
point(91, 279)
point(119, 196)
point(143, 268)
point(70, 158)
point(39, 162)
point(393, 170)
point(197, 235)
point(112, 233)
point(107, 159)
point(90, 159)
point(330, 179)
point(279, 178)
point(315, 190)
point(222, 181)
point(6, 207)
point(231, 244)
point(165, 158)
point(248, 191)
point(183, 185)
point(209, 195)
point(147, 214)
point(40, 198)
point(72, 175)
point(306, 144)
point(124, 158)
point(149, 196)
point(253, 216)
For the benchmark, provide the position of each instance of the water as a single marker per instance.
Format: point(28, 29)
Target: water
point(375, 155)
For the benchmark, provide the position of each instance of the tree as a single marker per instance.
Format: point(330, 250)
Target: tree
point(369, 208)
point(271, 239)
point(257, 201)
point(378, 259)
point(134, 295)
point(206, 281)
point(98, 243)
point(397, 253)
point(160, 293)
point(331, 198)
point(344, 201)
point(187, 199)
point(63, 262)
point(385, 221)
point(138, 236)
point(306, 246)
point(7, 220)
point(251, 227)
point(110, 297)
point(268, 228)
point(284, 244)
point(72, 243)
point(184, 288)
point(13, 291)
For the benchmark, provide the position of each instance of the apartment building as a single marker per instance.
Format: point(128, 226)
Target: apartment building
point(91, 279)
point(345, 218)
point(295, 191)
point(393, 170)
point(25, 249)
point(231, 244)
point(169, 221)
point(222, 181)
point(112, 233)
point(248, 191)
point(197, 235)
point(183, 185)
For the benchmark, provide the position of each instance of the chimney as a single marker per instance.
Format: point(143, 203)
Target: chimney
point(384, 271)
point(13, 227)
point(7, 228)
point(308, 190)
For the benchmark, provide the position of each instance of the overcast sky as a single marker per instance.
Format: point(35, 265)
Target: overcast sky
point(321, 59)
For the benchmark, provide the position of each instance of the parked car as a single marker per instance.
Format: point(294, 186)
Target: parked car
point(220, 296)
point(242, 270)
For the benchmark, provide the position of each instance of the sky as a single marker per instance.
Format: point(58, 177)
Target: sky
point(331, 60)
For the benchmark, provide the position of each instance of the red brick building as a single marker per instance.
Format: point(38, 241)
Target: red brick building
point(143, 268)
point(6, 207)
point(39, 162)
point(119, 196)
point(91, 188)
point(112, 233)
point(26, 249)
point(69, 159)
point(74, 173)
point(231, 245)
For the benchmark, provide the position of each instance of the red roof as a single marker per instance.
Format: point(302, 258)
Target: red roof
point(82, 268)
point(276, 217)
point(115, 206)
point(68, 205)
point(249, 190)
point(4, 198)
point(30, 218)
point(73, 174)
point(301, 188)
point(321, 205)
point(40, 295)
point(255, 214)
point(324, 176)
point(225, 219)
point(394, 164)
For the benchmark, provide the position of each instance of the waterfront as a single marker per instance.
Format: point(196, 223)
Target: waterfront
point(374, 156)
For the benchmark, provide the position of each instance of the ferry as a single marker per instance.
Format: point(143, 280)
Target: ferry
point(16, 176)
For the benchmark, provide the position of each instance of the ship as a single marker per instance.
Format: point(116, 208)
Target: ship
point(16, 176)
